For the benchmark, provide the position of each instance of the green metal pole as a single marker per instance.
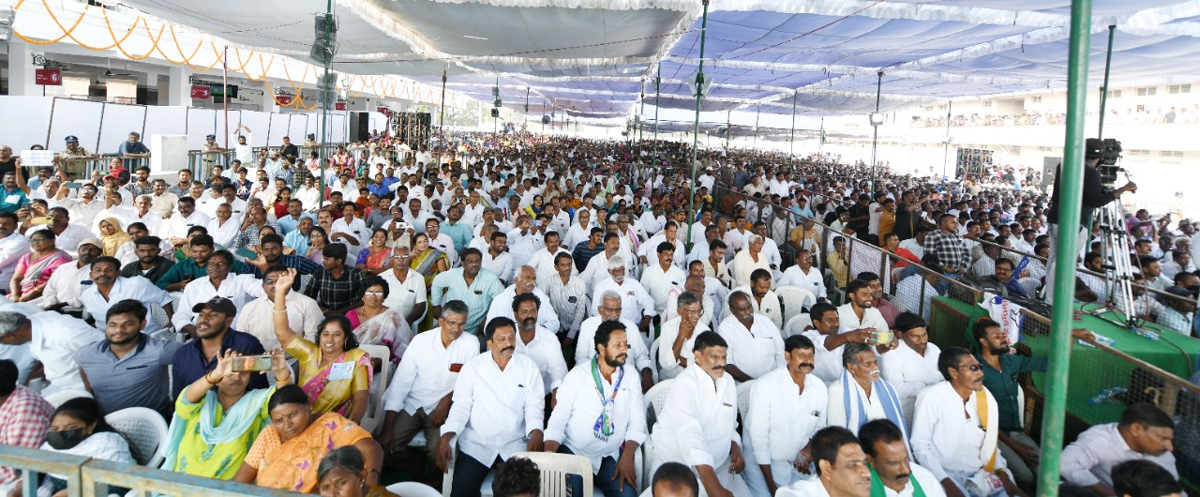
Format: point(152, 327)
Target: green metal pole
point(1112, 31)
point(657, 83)
point(696, 129)
point(875, 140)
point(1071, 176)
point(323, 93)
point(792, 140)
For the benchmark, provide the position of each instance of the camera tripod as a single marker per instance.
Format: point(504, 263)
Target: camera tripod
point(1115, 245)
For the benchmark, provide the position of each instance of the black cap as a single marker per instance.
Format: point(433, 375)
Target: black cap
point(1178, 291)
point(1093, 148)
point(210, 137)
point(218, 304)
point(72, 139)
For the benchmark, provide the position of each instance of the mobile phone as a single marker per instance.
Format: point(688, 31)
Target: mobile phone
point(254, 363)
point(73, 185)
point(246, 253)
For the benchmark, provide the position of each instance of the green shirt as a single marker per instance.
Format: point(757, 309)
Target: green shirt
point(1003, 385)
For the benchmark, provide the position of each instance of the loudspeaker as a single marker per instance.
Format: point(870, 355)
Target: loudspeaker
point(414, 128)
point(360, 126)
point(545, 119)
point(495, 112)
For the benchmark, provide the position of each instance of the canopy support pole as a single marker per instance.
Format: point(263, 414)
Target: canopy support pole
point(792, 139)
point(757, 113)
point(875, 139)
point(946, 152)
point(1071, 198)
point(641, 112)
point(224, 91)
point(657, 82)
point(696, 128)
point(728, 127)
point(442, 112)
point(1112, 30)
point(322, 93)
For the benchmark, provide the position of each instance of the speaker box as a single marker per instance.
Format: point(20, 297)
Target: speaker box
point(414, 128)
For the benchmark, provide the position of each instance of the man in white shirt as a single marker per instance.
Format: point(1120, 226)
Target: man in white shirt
point(64, 285)
point(497, 259)
point(420, 393)
point(947, 438)
point(805, 276)
point(238, 288)
point(1144, 432)
point(108, 288)
point(350, 230)
point(499, 404)
point(841, 467)
point(406, 288)
point(787, 406)
point(53, 339)
point(636, 303)
point(441, 241)
point(670, 236)
point(176, 227)
point(610, 310)
point(525, 283)
point(756, 347)
point(746, 261)
point(860, 311)
point(257, 318)
point(663, 278)
point(698, 422)
point(912, 366)
point(543, 260)
point(537, 342)
point(524, 241)
point(598, 266)
point(13, 245)
point(829, 343)
point(84, 208)
point(224, 228)
point(607, 432)
point(861, 394)
point(894, 472)
point(765, 301)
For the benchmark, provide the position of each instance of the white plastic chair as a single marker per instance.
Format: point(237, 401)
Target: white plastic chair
point(654, 358)
point(796, 325)
point(554, 469)
point(379, 384)
point(485, 489)
point(60, 397)
point(794, 300)
point(743, 398)
point(156, 318)
point(145, 429)
point(658, 395)
point(413, 489)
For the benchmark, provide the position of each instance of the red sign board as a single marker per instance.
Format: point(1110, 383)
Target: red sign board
point(283, 99)
point(383, 110)
point(339, 106)
point(203, 92)
point(48, 77)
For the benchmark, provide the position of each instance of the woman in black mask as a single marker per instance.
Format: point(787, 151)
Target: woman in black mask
point(78, 428)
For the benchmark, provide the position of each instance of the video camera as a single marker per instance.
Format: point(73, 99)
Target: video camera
point(1110, 153)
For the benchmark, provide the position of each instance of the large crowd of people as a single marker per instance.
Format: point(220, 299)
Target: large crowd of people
point(512, 282)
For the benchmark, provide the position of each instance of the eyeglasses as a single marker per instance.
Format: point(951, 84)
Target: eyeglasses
point(975, 368)
point(374, 294)
point(405, 256)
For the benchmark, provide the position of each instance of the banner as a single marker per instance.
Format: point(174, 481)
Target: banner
point(47, 77)
point(201, 92)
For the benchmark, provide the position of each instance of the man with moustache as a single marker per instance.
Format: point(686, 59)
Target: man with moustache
point(757, 345)
point(893, 474)
point(109, 288)
point(128, 368)
point(498, 410)
point(537, 342)
point(607, 432)
point(65, 285)
point(947, 437)
point(861, 394)
point(700, 420)
point(213, 336)
point(787, 406)
point(841, 465)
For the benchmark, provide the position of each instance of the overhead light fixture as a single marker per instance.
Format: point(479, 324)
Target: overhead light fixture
point(7, 19)
point(480, 38)
point(876, 118)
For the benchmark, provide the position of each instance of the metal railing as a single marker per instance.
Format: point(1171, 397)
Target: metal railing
point(88, 477)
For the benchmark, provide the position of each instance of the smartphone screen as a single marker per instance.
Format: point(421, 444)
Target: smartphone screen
point(246, 253)
point(253, 363)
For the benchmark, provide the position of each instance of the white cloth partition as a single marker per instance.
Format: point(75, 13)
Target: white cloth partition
point(297, 128)
point(200, 122)
point(80, 118)
point(165, 121)
point(279, 128)
point(259, 124)
point(32, 127)
point(118, 121)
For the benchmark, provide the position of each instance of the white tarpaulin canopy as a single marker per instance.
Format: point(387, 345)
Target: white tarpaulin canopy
point(599, 58)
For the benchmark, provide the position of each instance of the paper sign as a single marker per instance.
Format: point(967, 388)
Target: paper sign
point(37, 158)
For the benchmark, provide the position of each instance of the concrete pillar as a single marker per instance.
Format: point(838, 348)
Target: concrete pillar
point(268, 99)
point(20, 69)
point(163, 82)
point(177, 88)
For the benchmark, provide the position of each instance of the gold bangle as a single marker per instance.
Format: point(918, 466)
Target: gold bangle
point(210, 382)
point(279, 311)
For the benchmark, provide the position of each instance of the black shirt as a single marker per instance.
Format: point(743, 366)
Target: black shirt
point(1095, 196)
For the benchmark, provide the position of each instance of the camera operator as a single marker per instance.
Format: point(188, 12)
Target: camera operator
point(1095, 196)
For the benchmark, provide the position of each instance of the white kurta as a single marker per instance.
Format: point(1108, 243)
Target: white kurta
point(780, 422)
point(571, 424)
point(945, 441)
point(910, 372)
point(494, 410)
point(755, 351)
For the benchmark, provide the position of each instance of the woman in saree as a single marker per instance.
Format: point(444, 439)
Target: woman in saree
point(287, 453)
point(112, 235)
point(34, 269)
point(377, 257)
point(282, 197)
point(429, 261)
point(317, 241)
point(334, 372)
point(343, 473)
point(375, 324)
point(213, 428)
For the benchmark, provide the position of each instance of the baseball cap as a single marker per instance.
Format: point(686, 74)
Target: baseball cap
point(72, 139)
point(219, 304)
point(210, 137)
point(93, 241)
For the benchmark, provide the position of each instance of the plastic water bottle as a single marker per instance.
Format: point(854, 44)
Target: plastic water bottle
point(1105, 340)
point(1107, 395)
point(1145, 333)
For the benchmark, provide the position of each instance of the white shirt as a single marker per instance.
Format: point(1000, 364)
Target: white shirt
point(356, 228)
point(152, 221)
point(82, 212)
point(781, 419)
point(743, 266)
point(635, 301)
point(910, 372)
point(829, 365)
point(12, 248)
point(546, 352)
point(238, 288)
point(837, 407)
point(177, 226)
point(502, 307)
point(579, 407)
point(523, 246)
point(308, 197)
point(65, 284)
point(597, 269)
point(1090, 458)
point(668, 332)
point(70, 237)
point(659, 283)
point(585, 346)
point(502, 265)
point(257, 318)
point(812, 281)
point(707, 305)
point(137, 288)
point(429, 371)
point(945, 441)
point(769, 308)
point(403, 297)
point(495, 410)
point(445, 244)
point(755, 351)
point(702, 420)
point(54, 341)
point(808, 488)
point(223, 234)
point(909, 293)
point(848, 320)
point(543, 263)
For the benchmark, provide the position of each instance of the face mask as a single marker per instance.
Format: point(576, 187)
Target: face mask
point(66, 439)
